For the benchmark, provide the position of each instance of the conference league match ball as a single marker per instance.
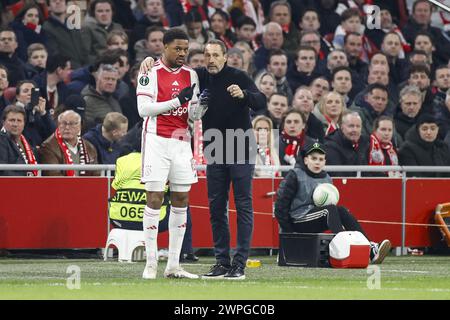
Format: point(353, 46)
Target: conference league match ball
point(325, 194)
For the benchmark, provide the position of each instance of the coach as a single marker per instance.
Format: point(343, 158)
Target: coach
point(231, 94)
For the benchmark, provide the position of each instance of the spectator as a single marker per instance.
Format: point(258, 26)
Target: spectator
point(281, 13)
point(152, 45)
point(441, 85)
point(329, 111)
point(296, 211)
point(398, 66)
point(198, 35)
point(303, 71)
point(14, 147)
point(373, 106)
point(293, 137)
point(246, 31)
point(346, 146)
point(410, 107)
point(272, 38)
point(341, 82)
point(123, 14)
point(105, 137)
point(420, 20)
point(39, 123)
point(382, 151)
point(117, 39)
point(304, 102)
point(417, 57)
point(312, 39)
point(28, 29)
point(319, 87)
point(266, 83)
point(247, 53)
point(422, 147)
point(97, 26)
point(278, 65)
point(353, 48)
point(420, 76)
point(266, 153)
point(64, 38)
point(99, 99)
point(9, 57)
point(442, 114)
point(235, 59)
point(3, 85)
point(277, 105)
point(76, 103)
point(37, 60)
point(195, 58)
point(424, 41)
point(219, 26)
point(51, 82)
point(65, 146)
point(154, 15)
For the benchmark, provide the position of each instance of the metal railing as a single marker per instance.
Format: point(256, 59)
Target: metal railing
point(107, 171)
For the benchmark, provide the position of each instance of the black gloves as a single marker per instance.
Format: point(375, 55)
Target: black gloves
point(186, 94)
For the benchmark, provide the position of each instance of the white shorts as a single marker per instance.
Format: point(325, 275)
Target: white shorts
point(166, 159)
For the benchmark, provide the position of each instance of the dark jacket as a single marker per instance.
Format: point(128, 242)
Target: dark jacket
point(15, 66)
point(10, 154)
point(107, 151)
point(225, 112)
point(314, 128)
point(294, 195)
point(340, 152)
point(38, 128)
point(65, 41)
point(403, 123)
point(97, 106)
point(129, 107)
point(297, 79)
point(442, 115)
point(417, 152)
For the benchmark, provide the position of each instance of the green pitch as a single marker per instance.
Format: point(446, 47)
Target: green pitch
point(422, 277)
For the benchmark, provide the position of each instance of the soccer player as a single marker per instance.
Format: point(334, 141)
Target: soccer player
point(167, 97)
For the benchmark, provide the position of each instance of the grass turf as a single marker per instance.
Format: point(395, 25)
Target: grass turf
point(424, 277)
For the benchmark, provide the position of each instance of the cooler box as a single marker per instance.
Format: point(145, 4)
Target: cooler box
point(304, 249)
point(349, 249)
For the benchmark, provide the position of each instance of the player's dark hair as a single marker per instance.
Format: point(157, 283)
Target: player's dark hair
point(174, 34)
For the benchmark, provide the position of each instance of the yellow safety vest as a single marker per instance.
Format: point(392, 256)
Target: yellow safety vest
point(130, 199)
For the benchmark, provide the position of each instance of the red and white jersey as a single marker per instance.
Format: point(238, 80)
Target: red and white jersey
point(163, 84)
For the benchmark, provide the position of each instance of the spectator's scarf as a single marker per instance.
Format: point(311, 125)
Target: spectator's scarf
point(332, 127)
point(293, 144)
point(376, 154)
point(266, 158)
point(27, 155)
point(84, 156)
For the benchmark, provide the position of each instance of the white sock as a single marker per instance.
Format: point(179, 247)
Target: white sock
point(177, 228)
point(150, 226)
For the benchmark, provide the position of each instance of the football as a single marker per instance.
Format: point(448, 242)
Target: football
point(325, 194)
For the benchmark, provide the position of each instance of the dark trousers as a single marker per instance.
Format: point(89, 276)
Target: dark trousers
point(334, 218)
point(219, 177)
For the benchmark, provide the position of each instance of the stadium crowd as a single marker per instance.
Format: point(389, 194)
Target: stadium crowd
point(372, 96)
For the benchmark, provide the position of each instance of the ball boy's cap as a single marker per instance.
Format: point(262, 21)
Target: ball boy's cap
point(313, 147)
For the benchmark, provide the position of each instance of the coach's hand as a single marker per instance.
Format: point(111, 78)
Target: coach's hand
point(235, 91)
point(186, 94)
point(146, 65)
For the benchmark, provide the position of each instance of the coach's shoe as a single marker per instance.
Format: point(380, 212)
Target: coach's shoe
point(179, 273)
point(217, 271)
point(236, 273)
point(149, 272)
point(380, 251)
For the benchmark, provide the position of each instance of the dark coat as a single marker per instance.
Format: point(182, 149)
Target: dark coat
point(65, 41)
point(10, 154)
point(340, 152)
point(417, 152)
point(15, 66)
point(403, 123)
point(25, 37)
point(314, 128)
point(61, 88)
